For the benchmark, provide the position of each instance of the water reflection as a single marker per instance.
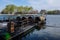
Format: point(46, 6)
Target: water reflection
point(48, 33)
point(39, 27)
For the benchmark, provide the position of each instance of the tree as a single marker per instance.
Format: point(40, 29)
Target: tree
point(22, 9)
point(28, 8)
point(9, 9)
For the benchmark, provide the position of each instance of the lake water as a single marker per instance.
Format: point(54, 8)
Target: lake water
point(50, 32)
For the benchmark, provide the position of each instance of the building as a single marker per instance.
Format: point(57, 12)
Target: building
point(43, 12)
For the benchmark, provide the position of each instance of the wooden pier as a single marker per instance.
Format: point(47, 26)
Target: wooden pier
point(21, 31)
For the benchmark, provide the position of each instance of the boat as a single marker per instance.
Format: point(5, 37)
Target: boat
point(12, 24)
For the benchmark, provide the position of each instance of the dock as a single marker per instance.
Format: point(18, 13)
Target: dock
point(21, 31)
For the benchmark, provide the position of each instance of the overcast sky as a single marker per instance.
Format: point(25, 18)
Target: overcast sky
point(36, 4)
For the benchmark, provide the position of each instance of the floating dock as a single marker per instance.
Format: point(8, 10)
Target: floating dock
point(24, 29)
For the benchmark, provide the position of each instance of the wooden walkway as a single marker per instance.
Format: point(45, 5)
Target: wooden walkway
point(21, 31)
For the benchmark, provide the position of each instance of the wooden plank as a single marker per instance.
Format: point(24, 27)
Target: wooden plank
point(25, 29)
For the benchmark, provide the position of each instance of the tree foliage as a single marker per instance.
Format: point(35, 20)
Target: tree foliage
point(13, 8)
point(53, 12)
point(9, 9)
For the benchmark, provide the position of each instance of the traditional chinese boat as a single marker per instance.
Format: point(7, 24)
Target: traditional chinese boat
point(14, 25)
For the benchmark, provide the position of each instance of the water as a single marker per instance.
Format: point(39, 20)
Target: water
point(49, 32)
point(53, 20)
point(45, 32)
point(6, 17)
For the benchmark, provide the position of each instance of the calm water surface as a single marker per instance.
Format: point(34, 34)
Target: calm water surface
point(46, 32)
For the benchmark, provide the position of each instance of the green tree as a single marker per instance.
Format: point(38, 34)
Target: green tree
point(26, 9)
point(20, 9)
point(12, 8)
point(9, 9)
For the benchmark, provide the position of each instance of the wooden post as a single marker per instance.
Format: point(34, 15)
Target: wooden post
point(12, 27)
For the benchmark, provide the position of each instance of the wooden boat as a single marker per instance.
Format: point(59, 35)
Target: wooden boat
point(16, 27)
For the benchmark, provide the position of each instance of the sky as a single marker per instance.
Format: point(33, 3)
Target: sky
point(36, 4)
